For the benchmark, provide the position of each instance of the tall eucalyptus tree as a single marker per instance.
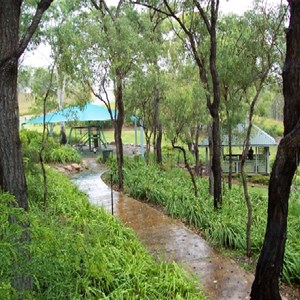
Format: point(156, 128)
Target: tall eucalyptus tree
point(198, 24)
point(110, 45)
point(12, 46)
point(269, 266)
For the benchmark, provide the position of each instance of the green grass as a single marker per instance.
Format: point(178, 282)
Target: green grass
point(26, 104)
point(79, 251)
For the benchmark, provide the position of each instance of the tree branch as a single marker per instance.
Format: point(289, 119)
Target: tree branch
point(42, 7)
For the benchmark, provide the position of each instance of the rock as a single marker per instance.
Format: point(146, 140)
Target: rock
point(60, 169)
point(68, 168)
point(76, 167)
point(84, 165)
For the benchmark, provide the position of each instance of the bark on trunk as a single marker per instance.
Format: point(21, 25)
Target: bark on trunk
point(265, 285)
point(230, 156)
point(12, 177)
point(216, 162)
point(196, 151)
point(248, 200)
point(158, 128)
point(210, 171)
point(118, 128)
point(158, 145)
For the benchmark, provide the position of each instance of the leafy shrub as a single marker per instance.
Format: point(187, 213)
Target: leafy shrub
point(63, 154)
point(260, 179)
point(271, 126)
point(53, 152)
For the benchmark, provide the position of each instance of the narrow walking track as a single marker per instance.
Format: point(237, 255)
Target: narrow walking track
point(170, 239)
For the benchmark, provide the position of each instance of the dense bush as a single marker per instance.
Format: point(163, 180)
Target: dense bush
point(224, 228)
point(53, 151)
point(80, 252)
point(271, 126)
point(259, 179)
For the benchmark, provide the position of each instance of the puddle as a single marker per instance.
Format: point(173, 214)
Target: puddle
point(169, 239)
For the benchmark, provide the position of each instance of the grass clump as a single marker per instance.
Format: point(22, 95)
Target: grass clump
point(80, 252)
point(53, 151)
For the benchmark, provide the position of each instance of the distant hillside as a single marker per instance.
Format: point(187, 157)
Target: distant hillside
point(271, 126)
point(26, 103)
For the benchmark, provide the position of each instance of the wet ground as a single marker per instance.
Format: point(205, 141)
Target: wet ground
point(169, 239)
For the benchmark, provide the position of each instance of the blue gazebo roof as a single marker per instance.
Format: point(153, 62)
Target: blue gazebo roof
point(89, 112)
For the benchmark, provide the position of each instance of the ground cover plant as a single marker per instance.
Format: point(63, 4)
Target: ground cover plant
point(224, 228)
point(53, 151)
point(80, 252)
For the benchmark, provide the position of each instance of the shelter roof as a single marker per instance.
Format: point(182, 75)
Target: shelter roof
point(89, 112)
point(258, 138)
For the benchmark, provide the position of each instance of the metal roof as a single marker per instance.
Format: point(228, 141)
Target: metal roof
point(258, 138)
point(90, 112)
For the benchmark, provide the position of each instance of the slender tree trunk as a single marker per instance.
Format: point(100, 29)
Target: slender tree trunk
point(230, 156)
point(158, 145)
point(269, 266)
point(214, 107)
point(187, 165)
point(196, 151)
point(248, 200)
point(210, 172)
point(148, 145)
point(158, 128)
point(61, 83)
point(118, 128)
point(216, 162)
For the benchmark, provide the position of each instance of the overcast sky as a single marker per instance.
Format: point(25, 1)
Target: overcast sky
point(40, 57)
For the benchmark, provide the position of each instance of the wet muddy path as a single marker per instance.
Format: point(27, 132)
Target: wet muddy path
point(169, 239)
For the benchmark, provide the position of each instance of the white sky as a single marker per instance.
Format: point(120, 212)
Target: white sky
point(40, 57)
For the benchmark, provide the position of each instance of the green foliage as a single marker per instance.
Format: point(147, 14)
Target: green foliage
point(260, 179)
point(80, 252)
point(63, 154)
point(9, 232)
point(271, 126)
point(225, 228)
point(53, 152)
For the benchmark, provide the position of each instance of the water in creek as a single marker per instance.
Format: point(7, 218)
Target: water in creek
point(170, 240)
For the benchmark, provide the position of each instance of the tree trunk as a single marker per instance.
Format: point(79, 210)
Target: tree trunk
point(269, 266)
point(216, 161)
point(118, 128)
point(230, 155)
point(248, 200)
point(148, 145)
point(214, 107)
point(158, 145)
point(187, 165)
point(61, 82)
point(12, 178)
point(210, 172)
point(196, 151)
point(158, 128)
